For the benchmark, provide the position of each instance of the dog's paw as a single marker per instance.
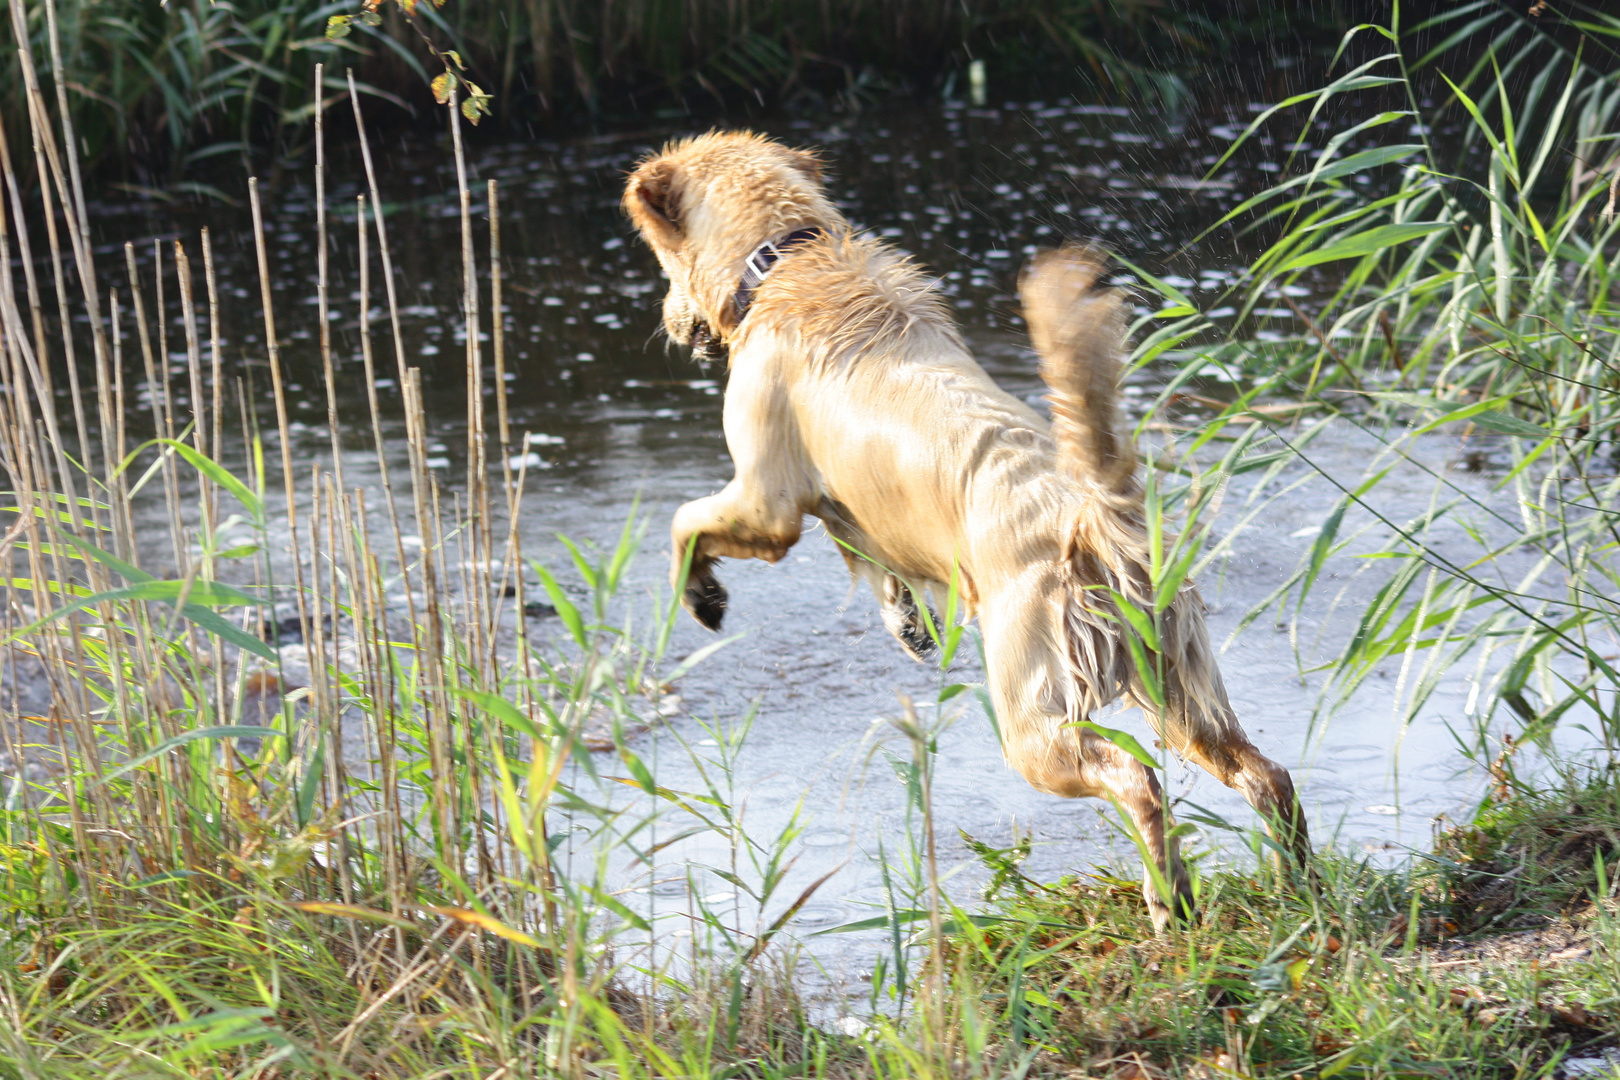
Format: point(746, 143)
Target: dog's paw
point(906, 624)
point(903, 617)
point(705, 598)
point(1181, 910)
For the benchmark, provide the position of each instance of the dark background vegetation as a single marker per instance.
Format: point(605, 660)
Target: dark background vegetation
point(160, 89)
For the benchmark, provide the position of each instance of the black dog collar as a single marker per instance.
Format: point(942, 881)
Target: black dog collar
point(764, 257)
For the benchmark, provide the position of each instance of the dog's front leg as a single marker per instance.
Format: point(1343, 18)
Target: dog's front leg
point(702, 595)
point(760, 514)
point(734, 523)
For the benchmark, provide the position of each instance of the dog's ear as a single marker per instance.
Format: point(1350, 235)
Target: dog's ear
point(653, 200)
point(806, 162)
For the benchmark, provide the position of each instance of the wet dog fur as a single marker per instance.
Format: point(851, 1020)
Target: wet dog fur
point(853, 398)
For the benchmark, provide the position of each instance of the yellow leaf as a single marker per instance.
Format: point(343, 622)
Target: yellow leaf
point(471, 111)
point(484, 922)
point(353, 911)
point(442, 86)
point(407, 6)
point(1296, 970)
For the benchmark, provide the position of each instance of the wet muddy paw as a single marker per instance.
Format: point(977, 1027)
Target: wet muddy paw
point(903, 618)
point(705, 598)
point(908, 629)
point(1180, 911)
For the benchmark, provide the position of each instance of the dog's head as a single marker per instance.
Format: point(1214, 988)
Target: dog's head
point(704, 205)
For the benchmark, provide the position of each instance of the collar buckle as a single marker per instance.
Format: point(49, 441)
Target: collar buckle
point(759, 264)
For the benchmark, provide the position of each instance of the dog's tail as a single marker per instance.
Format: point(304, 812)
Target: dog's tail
point(1078, 330)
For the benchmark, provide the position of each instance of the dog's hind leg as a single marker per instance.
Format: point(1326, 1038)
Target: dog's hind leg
point(903, 616)
point(902, 609)
point(1198, 722)
point(1073, 765)
point(1036, 692)
point(1228, 755)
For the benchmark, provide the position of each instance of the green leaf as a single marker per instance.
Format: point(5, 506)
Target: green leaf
point(338, 27)
point(638, 769)
point(1140, 620)
point(698, 656)
point(581, 563)
point(1122, 739)
point(1487, 415)
point(763, 940)
point(1503, 424)
point(617, 908)
point(208, 593)
point(679, 798)
point(1169, 586)
point(215, 472)
point(1366, 159)
point(502, 710)
point(201, 616)
point(227, 732)
point(566, 611)
point(1415, 401)
point(1358, 245)
point(162, 878)
point(901, 917)
point(311, 783)
point(1323, 545)
point(1334, 1068)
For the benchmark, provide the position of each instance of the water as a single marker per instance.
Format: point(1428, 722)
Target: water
point(970, 192)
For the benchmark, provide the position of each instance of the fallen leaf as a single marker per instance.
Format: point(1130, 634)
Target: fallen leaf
point(1574, 1014)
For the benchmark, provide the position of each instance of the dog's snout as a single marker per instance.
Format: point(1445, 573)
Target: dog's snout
point(706, 348)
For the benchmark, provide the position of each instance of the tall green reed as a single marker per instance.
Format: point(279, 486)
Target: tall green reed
point(1470, 294)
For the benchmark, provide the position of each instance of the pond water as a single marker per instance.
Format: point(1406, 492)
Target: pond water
point(971, 192)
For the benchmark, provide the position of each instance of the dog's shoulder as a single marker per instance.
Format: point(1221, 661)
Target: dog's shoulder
point(851, 294)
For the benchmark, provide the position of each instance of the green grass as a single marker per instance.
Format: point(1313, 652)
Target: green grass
point(1272, 982)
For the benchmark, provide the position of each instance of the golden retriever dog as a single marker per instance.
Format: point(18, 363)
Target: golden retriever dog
point(852, 397)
